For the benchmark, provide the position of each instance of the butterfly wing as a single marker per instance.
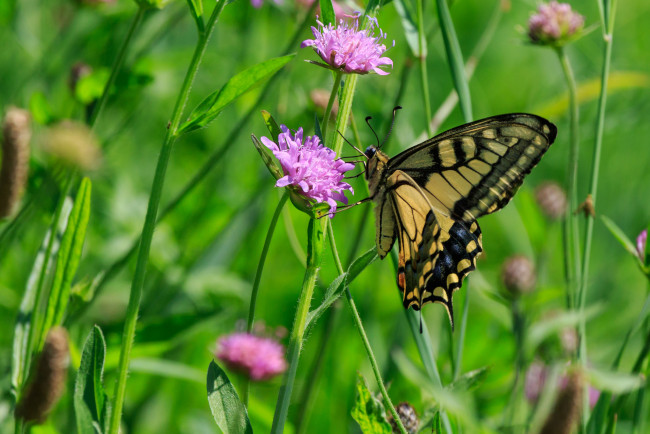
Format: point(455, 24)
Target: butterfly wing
point(435, 252)
point(476, 168)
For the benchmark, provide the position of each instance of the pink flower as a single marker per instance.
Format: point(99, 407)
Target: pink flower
point(258, 3)
point(554, 24)
point(257, 357)
point(348, 49)
point(311, 167)
point(641, 241)
point(536, 378)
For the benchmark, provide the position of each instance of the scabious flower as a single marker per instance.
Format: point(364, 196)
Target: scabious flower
point(554, 24)
point(258, 357)
point(311, 167)
point(348, 49)
point(641, 241)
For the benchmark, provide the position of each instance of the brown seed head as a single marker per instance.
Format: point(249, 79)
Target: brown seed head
point(407, 415)
point(15, 158)
point(518, 275)
point(566, 411)
point(551, 199)
point(47, 381)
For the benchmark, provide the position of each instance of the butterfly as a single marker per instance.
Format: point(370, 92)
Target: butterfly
point(429, 197)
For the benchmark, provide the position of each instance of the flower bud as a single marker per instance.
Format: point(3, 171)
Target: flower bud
point(320, 98)
point(78, 71)
point(15, 158)
point(641, 241)
point(518, 275)
point(47, 381)
point(551, 199)
point(407, 415)
point(554, 24)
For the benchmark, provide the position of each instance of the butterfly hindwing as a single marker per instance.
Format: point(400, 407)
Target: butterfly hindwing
point(435, 252)
point(475, 169)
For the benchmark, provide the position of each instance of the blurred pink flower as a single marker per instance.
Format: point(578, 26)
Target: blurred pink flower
point(312, 167)
point(257, 357)
point(641, 241)
point(554, 24)
point(536, 378)
point(258, 3)
point(339, 11)
point(348, 49)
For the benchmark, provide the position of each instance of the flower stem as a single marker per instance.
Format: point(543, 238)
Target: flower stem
point(455, 59)
point(422, 59)
point(364, 337)
point(338, 75)
point(150, 221)
point(345, 108)
point(572, 243)
point(315, 244)
point(117, 65)
point(258, 277)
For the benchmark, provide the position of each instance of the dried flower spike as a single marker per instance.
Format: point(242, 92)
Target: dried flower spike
point(257, 357)
point(15, 158)
point(310, 167)
point(518, 275)
point(566, 411)
point(555, 24)
point(48, 379)
point(346, 48)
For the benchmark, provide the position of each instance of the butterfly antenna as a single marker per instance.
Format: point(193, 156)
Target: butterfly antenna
point(348, 142)
point(391, 127)
point(372, 129)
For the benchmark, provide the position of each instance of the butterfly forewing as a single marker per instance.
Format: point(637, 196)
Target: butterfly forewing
point(429, 196)
point(475, 169)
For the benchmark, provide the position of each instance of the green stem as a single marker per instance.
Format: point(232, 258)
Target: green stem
point(455, 59)
point(258, 277)
point(338, 75)
point(571, 224)
point(117, 65)
point(345, 108)
point(315, 249)
point(364, 337)
point(422, 59)
point(150, 221)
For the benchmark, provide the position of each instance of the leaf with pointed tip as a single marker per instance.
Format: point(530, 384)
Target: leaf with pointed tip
point(90, 400)
point(369, 411)
point(241, 83)
point(228, 411)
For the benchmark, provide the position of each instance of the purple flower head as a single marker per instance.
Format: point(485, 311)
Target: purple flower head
point(554, 24)
point(348, 49)
point(311, 167)
point(257, 357)
point(641, 241)
point(258, 3)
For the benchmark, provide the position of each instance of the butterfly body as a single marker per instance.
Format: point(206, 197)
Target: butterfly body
point(429, 197)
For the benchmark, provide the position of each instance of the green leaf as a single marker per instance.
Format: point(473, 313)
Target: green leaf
point(369, 411)
point(90, 87)
point(40, 108)
point(229, 412)
point(166, 369)
point(68, 258)
point(269, 161)
point(210, 108)
point(470, 380)
point(619, 235)
point(617, 383)
point(336, 288)
point(327, 12)
point(539, 331)
point(90, 400)
point(272, 125)
point(28, 317)
point(410, 29)
point(196, 9)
